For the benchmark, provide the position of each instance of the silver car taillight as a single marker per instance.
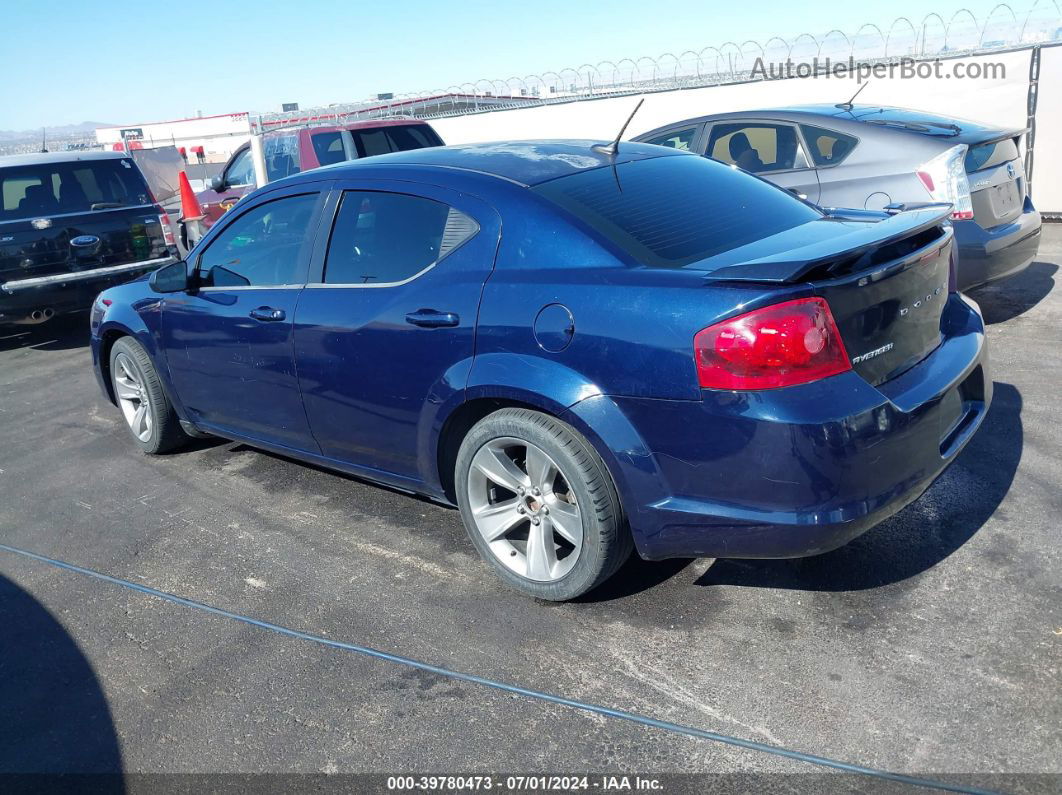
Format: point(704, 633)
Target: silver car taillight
point(945, 178)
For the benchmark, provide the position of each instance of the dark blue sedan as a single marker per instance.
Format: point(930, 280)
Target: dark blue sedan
point(586, 351)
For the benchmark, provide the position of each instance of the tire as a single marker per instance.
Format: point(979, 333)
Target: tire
point(136, 385)
point(529, 536)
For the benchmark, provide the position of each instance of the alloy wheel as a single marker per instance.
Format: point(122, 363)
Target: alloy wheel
point(524, 508)
point(132, 397)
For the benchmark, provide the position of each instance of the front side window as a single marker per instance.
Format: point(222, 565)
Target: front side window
point(757, 148)
point(676, 139)
point(241, 171)
point(828, 148)
point(262, 248)
point(390, 238)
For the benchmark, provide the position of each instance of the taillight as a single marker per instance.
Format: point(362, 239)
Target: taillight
point(944, 178)
point(781, 345)
point(167, 230)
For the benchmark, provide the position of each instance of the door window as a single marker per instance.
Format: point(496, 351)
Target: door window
point(676, 139)
point(241, 171)
point(757, 148)
point(264, 247)
point(281, 154)
point(828, 148)
point(328, 147)
point(391, 238)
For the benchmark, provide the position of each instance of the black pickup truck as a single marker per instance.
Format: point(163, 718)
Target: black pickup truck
point(71, 225)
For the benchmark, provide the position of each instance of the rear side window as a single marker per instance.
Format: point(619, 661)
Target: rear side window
point(328, 147)
point(394, 139)
point(676, 139)
point(757, 148)
point(73, 187)
point(672, 211)
point(991, 155)
point(264, 247)
point(390, 238)
point(828, 148)
point(281, 155)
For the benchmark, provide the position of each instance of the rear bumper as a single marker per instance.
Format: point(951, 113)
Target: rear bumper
point(986, 255)
point(67, 292)
point(797, 471)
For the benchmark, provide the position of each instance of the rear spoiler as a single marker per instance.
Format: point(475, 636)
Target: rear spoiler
point(849, 250)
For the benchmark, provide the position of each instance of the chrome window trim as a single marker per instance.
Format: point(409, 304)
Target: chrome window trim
point(407, 280)
point(212, 289)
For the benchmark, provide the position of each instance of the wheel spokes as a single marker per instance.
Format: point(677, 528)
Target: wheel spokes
point(496, 520)
point(566, 521)
point(540, 470)
point(541, 552)
point(501, 469)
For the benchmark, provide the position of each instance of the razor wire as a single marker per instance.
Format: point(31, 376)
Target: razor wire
point(962, 34)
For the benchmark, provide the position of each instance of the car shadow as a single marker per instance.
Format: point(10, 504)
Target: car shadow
point(57, 725)
point(920, 536)
point(59, 334)
point(1006, 299)
point(633, 577)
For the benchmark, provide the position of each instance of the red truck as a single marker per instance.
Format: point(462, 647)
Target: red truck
point(292, 150)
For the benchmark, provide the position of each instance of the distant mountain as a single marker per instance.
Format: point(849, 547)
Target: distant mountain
point(57, 131)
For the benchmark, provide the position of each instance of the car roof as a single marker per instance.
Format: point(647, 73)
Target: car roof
point(372, 123)
point(880, 117)
point(524, 162)
point(39, 158)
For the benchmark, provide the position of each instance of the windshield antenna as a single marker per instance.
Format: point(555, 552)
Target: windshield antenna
point(613, 148)
point(848, 105)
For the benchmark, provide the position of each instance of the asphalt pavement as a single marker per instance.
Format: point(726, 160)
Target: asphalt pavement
point(930, 646)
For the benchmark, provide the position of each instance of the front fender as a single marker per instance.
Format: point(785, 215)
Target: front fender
point(142, 321)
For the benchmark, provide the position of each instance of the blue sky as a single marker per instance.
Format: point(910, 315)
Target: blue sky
point(66, 61)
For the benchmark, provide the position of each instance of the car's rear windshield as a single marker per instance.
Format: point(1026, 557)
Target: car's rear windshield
point(990, 155)
point(55, 188)
point(669, 212)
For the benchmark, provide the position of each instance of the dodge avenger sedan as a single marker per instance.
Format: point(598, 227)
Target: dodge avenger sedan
point(587, 350)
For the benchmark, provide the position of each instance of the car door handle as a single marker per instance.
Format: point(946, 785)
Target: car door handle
point(430, 318)
point(268, 314)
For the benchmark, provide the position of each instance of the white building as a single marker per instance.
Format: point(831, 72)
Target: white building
point(214, 137)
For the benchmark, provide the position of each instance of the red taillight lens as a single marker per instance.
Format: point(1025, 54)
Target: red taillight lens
point(167, 230)
point(781, 345)
point(927, 180)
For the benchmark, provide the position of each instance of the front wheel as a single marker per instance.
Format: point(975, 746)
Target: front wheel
point(539, 504)
point(137, 390)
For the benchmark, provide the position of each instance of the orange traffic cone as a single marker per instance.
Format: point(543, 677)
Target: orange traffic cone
point(190, 209)
point(191, 214)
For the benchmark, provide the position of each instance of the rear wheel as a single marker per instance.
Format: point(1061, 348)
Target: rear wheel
point(147, 411)
point(539, 504)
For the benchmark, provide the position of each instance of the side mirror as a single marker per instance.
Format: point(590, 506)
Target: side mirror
point(217, 183)
point(172, 278)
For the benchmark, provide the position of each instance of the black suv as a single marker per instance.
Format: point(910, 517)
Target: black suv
point(71, 225)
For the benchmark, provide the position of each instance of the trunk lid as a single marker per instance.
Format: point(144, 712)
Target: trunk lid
point(885, 278)
point(996, 175)
point(59, 216)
